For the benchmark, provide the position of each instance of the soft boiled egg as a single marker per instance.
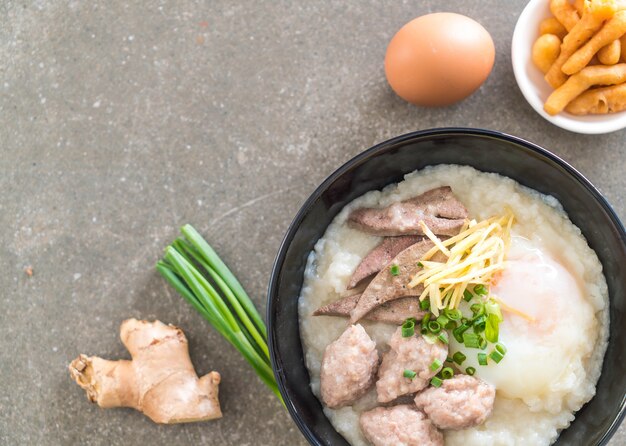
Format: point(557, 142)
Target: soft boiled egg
point(543, 351)
point(439, 59)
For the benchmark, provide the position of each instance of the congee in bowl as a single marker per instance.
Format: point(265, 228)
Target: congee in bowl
point(455, 307)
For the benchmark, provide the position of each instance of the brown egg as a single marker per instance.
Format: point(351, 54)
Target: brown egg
point(439, 59)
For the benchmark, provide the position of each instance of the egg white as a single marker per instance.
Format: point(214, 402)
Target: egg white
point(543, 354)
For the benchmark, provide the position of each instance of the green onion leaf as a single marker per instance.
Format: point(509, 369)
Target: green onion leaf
point(471, 340)
point(496, 356)
point(195, 270)
point(425, 304)
point(480, 289)
point(395, 270)
point(434, 327)
point(482, 358)
point(436, 381)
point(447, 373)
point(409, 374)
point(459, 357)
point(470, 371)
point(435, 365)
point(443, 337)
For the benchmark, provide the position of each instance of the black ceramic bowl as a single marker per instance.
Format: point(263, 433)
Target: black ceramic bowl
point(387, 163)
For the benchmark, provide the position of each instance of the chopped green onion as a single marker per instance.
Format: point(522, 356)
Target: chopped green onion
point(453, 315)
point(496, 356)
point(470, 371)
point(477, 309)
point(501, 348)
point(492, 308)
point(420, 264)
point(459, 357)
point(395, 270)
point(443, 337)
point(409, 374)
point(467, 295)
point(424, 323)
point(434, 327)
point(435, 365)
point(464, 320)
point(425, 304)
point(492, 329)
point(448, 359)
point(408, 329)
point(482, 343)
point(447, 373)
point(451, 325)
point(471, 340)
point(458, 332)
point(436, 381)
point(443, 320)
point(480, 289)
point(479, 323)
point(482, 358)
point(430, 338)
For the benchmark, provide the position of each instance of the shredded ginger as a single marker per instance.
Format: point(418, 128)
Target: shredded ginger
point(473, 257)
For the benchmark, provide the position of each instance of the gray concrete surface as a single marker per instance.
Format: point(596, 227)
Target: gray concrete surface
point(120, 121)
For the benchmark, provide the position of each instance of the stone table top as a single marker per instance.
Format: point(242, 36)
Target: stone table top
point(122, 120)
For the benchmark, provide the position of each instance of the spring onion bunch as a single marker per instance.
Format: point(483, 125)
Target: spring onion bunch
point(195, 270)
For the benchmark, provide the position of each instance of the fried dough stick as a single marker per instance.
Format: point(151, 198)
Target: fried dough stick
point(577, 37)
point(552, 26)
point(612, 30)
point(581, 81)
point(599, 101)
point(565, 13)
point(610, 54)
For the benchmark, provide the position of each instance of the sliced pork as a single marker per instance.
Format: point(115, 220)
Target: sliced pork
point(461, 402)
point(381, 256)
point(413, 353)
point(399, 425)
point(438, 208)
point(348, 367)
point(393, 312)
point(388, 285)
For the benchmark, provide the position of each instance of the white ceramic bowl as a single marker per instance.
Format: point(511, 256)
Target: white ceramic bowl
point(534, 87)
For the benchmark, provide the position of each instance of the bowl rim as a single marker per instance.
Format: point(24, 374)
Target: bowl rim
point(600, 124)
point(358, 159)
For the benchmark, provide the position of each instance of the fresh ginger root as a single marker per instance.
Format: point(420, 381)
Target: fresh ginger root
point(160, 381)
